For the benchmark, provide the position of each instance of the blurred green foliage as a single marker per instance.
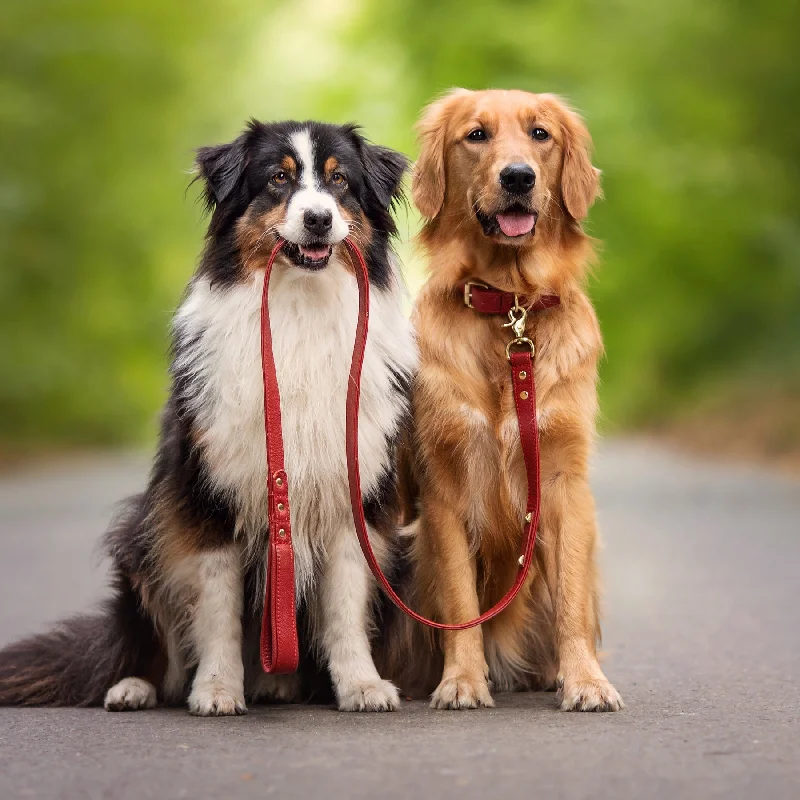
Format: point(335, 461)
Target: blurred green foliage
point(693, 108)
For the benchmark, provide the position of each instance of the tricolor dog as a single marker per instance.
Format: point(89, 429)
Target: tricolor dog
point(189, 553)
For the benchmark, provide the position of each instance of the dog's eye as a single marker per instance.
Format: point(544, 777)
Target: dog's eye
point(540, 134)
point(279, 178)
point(478, 135)
point(337, 178)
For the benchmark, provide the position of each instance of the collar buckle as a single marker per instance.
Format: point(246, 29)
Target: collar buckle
point(468, 291)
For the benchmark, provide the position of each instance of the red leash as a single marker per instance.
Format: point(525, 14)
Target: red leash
point(279, 649)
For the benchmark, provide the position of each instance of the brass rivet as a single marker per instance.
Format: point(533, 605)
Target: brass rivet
point(523, 395)
point(279, 481)
point(528, 517)
point(280, 506)
point(523, 375)
point(282, 533)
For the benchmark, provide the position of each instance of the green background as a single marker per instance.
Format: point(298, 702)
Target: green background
point(694, 111)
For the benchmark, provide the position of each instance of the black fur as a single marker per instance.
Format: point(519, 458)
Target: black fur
point(77, 662)
point(236, 177)
point(82, 657)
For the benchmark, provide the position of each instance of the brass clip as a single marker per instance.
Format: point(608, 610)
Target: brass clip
point(518, 319)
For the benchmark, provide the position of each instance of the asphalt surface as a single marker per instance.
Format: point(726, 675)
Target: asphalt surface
point(701, 566)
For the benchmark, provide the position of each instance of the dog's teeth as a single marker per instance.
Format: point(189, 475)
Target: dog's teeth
point(315, 253)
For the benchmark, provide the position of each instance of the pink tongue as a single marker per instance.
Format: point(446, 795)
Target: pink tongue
point(515, 224)
point(315, 253)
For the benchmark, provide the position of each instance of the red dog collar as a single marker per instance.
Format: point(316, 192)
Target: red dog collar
point(486, 299)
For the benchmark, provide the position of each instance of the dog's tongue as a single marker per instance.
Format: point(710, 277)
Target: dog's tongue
point(516, 224)
point(315, 253)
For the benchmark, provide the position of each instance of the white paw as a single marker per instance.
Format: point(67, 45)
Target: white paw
point(213, 699)
point(130, 694)
point(279, 688)
point(462, 692)
point(589, 694)
point(375, 695)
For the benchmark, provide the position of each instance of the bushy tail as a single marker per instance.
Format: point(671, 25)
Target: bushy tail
point(81, 657)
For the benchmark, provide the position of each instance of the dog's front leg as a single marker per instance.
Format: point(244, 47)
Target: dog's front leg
point(216, 632)
point(347, 586)
point(464, 681)
point(569, 521)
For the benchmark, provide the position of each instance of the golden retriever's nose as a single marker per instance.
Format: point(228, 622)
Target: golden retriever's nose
point(517, 178)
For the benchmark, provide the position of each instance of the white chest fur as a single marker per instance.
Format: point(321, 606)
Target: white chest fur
point(313, 318)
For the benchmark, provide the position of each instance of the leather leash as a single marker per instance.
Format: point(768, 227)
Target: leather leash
point(279, 648)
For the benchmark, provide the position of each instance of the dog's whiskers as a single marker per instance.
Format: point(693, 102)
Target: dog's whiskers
point(272, 229)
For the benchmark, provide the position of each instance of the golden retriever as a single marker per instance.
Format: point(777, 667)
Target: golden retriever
point(503, 181)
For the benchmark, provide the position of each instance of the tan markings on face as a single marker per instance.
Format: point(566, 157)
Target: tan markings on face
point(508, 118)
point(360, 229)
point(256, 235)
point(331, 165)
point(289, 165)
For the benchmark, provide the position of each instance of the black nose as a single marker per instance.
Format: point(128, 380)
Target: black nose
point(318, 222)
point(517, 178)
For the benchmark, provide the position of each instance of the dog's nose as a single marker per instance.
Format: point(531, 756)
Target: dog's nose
point(517, 178)
point(318, 222)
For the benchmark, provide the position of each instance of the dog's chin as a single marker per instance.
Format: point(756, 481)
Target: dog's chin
point(514, 225)
point(313, 257)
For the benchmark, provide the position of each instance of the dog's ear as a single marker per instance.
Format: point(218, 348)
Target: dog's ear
point(383, 171)
point(428, 183)
point(580, 181)
point(221, 168)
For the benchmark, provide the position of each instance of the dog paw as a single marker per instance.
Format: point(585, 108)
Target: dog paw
point(369, 696)
point(589, 694)
point(130, 694)
point(216, 700)
point(462, 692)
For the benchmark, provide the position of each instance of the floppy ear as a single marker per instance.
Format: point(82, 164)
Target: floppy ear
point(383, 170)
point(428, 184)
point(580, 181)
point(221, 168)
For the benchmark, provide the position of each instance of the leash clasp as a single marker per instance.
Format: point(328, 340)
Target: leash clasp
point(517, 320)
point(523, 340)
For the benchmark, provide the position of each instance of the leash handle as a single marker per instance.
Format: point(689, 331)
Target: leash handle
point(279, 648)
point(521, 362)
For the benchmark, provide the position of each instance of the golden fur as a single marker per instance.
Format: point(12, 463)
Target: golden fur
point(468, 462)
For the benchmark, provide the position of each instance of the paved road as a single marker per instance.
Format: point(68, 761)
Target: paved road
point(702, 566)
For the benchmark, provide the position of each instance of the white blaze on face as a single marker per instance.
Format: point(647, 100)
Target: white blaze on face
point(310, 196)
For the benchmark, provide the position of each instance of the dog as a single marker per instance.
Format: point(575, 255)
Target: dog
point(188, 554)
point(503, 181)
